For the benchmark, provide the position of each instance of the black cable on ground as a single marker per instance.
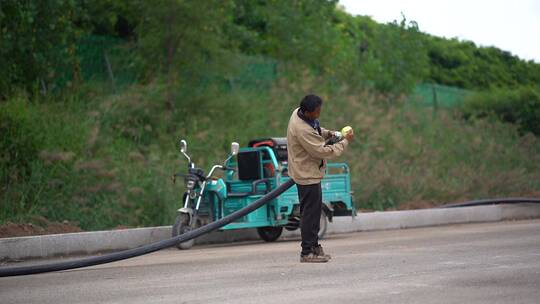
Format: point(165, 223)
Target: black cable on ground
point(493, 201)
point(130, 253)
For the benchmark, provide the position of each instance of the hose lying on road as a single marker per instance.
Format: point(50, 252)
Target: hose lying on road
point(493, 201)
point(130, 253)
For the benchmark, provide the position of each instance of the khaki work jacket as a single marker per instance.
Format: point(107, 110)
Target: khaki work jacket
point(307, 151)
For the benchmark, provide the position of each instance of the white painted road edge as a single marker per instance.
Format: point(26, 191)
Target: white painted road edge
point(55, 245)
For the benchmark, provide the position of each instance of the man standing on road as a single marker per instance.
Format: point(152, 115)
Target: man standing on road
point(307, 154)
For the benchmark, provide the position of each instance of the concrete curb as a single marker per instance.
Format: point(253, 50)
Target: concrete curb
point(46, 246)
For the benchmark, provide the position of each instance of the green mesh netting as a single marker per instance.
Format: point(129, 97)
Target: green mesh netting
point(438, 95)
point(104, 58)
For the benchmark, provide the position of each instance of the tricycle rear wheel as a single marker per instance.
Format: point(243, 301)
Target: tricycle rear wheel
point(323, 225)
point(269, 234)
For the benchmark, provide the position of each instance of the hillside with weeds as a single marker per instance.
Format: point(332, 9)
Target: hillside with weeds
point(95, 98)
point(103, 160)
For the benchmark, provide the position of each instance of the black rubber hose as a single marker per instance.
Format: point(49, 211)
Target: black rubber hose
point(130, 253)
point(493, 201)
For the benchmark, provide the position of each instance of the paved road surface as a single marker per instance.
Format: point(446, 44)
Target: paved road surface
point(475, 263)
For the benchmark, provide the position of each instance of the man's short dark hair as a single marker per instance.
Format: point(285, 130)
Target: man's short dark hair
point(310, 103)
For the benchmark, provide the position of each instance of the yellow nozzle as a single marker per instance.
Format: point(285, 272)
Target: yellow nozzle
point(346, 130)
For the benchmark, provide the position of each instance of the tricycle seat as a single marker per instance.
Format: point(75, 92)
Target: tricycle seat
point(237, 188)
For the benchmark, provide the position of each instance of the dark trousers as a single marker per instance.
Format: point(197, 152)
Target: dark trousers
point(310, 197)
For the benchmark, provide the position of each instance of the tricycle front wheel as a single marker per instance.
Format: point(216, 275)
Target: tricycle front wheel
point(181, 226)
point(270, 234)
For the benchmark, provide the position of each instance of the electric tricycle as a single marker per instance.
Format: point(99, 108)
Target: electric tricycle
point(248, 174)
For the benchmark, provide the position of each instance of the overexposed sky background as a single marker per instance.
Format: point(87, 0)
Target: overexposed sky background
point(513, 26)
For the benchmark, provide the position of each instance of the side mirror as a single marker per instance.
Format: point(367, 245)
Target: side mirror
point(235, 147)
point(183, 146)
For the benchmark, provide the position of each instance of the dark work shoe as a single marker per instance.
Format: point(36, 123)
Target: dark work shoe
point(313, 258)
point(318, 250)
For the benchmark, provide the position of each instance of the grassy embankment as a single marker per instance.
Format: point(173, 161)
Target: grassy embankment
point(103, 160)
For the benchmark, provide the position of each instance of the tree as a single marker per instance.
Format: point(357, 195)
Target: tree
point(394, 57)
point(300, 32)
point(463, 64)
point(182, 37)
point(37, 38)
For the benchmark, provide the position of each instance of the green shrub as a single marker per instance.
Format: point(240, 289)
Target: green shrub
point(18, 144)
point(519, 106)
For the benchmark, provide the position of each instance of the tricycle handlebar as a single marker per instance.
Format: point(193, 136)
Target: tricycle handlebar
point(219, 167)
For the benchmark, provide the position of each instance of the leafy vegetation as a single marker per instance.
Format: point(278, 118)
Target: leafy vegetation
point(39, 41)
point(78, 146)
point(37, 38)
point(520, 106)
point(463, 64)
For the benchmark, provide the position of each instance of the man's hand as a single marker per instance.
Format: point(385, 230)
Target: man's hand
point(349, 135)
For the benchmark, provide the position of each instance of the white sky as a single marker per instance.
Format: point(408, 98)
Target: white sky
point(513, 26)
